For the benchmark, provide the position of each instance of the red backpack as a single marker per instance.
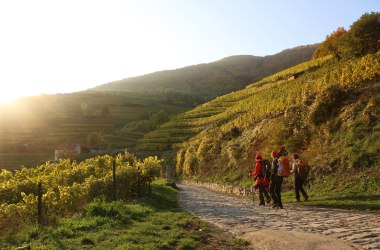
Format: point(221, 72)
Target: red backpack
point(303, 167)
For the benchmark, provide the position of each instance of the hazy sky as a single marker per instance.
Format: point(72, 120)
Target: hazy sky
point(71, 45)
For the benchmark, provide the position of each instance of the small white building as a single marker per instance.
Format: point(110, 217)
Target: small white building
point(67, 149)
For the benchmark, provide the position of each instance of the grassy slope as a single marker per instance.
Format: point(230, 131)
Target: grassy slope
point(330, 114)
point(152, 222)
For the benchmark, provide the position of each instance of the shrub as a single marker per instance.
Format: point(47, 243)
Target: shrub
point(327, 104)
point(190, 164)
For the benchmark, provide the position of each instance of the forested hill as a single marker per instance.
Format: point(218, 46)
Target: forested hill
point(216, 78)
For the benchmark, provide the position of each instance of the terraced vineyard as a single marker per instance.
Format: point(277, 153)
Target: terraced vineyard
point(218, 137)
point(326, 110)
point(163, 139)
point(124, 139)
point(226, 108)
point(32, 129)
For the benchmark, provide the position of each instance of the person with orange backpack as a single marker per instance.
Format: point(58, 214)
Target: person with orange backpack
point(260, 182)
point(280, 169)
point(300, 170)
point(275, 182)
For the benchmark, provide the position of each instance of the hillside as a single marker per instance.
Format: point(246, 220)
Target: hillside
point(322, 113)
point(209, 114)
point(326, 109)
point(216, 78)
point(33, 127)
point(329, 113)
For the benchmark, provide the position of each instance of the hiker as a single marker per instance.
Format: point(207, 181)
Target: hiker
point(300, 170)
point(259, 175)
point(275, 182)
point(266, 169)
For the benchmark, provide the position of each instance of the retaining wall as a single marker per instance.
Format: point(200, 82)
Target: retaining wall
point(230, 189)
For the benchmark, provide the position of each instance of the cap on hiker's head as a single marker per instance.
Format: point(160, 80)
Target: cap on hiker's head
point(273, 154)
point(258, 156)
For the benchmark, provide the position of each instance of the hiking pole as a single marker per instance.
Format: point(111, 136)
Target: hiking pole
point(251, 190)
point(251, 187)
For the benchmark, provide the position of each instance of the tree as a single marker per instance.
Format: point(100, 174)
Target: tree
point(362, 38)
point(160, 117)
point(330, 45)
point(94, 139)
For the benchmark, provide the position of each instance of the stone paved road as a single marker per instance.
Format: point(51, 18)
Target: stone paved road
point(241, 216)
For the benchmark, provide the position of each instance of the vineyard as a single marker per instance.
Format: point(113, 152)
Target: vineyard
point(326, 109)
point(34, 127)
point(68, 186)
point(267, 98)
point(293, 113)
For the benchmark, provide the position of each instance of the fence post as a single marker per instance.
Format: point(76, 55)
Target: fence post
point(114, 178)
point(39, 204)
point(167, 172)
point(138, 182)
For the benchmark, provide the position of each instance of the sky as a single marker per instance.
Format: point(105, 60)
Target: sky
point(51, 46)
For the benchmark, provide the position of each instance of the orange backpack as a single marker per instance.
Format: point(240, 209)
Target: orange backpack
point(283, 166)
point(303, 167)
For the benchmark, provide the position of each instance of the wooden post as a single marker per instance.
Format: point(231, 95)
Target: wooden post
point(39, 204)
point(138, 182)
point(114, 178)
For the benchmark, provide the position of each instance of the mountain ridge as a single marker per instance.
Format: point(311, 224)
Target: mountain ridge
point(216, 78)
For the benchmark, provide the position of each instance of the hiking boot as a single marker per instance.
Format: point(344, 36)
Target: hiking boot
point(262, 204)
point(306, 198)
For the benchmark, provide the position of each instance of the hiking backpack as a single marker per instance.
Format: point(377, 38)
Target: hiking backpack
point(303, 168)
point(283, 166)
point(266, 168)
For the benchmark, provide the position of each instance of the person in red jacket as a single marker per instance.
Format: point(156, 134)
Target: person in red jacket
point(259, 175)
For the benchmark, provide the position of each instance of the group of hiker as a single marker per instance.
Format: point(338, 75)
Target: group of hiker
point(269, 176)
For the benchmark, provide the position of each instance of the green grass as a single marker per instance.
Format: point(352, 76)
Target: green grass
point(363, 202)
point(351, 194)
point(152, 222)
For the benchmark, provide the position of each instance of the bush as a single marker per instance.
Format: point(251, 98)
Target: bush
point(190, 164)
point(327, 104)
point(103, 209)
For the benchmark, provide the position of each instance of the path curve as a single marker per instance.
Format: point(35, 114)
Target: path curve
point(301, 227)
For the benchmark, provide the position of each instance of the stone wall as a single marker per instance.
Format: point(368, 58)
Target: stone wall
point(234, 190)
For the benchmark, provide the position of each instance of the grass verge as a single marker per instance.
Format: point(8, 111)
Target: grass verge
point(345, 192)
point(358, 202)
point(152, 222)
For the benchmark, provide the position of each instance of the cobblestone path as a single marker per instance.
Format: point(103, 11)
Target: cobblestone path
point(241, 216)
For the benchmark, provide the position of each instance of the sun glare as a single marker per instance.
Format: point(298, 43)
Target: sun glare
point(6, 97)
point(9, 95)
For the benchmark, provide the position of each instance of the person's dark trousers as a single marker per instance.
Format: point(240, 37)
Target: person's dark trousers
point(298, 186)
point(275, 189)
point(263, 192)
